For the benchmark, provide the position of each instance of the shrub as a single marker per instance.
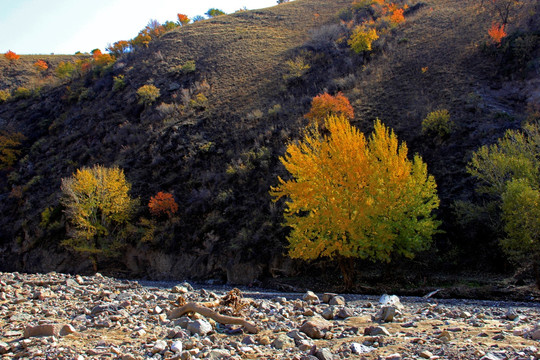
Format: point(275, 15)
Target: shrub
point(162, 204)
point(170, 25)
point(10, 143)
point(200, 102)
point(295, 68)
point(371, 203)
point(4, 95)
point(86, 94)
point(326, 37)
point(361, 4)
point(188, 67)
point(11, 56)
point(496, 33)
point(41, 65)
point(22, 93)
point(437, 123)
point(119, 82)
point(275, 110)
point(362, 39)
point(65, 70)
point(148, 94)
point(397, 16)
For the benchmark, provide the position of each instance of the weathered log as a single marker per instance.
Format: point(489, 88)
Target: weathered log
point(204, 311)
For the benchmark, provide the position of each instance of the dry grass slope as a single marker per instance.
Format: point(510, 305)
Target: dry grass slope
point(242, 55)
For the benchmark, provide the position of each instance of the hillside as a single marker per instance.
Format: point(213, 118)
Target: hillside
point(214, 135)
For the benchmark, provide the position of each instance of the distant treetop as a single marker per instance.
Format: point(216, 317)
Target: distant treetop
point(214, 12)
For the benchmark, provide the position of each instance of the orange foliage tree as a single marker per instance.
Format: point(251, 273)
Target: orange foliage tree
point(41, 65)
point(325, 105)
point(352, 197)
point(163, 204)
point(183, 19)
point(119, 48)
point(496, 33)
point(11, 56)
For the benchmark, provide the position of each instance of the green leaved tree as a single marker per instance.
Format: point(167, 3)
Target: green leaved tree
point(509, 176)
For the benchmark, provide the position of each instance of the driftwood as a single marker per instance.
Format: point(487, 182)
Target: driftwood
point(204, 311)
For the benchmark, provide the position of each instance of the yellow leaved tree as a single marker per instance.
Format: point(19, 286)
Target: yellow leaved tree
point(351, 197)
point(97, 205)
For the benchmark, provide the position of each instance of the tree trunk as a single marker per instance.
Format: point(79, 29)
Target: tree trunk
point(536, 270)
point(93, 258)
point(346, 265)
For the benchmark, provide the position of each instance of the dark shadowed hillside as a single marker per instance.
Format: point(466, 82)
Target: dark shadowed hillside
point(228, 105)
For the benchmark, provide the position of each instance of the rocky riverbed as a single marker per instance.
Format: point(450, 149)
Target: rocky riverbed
point(58, 316)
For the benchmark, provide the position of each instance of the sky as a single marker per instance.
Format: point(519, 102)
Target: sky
point(68, 26)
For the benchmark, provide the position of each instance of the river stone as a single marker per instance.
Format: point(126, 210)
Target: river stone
point(304, 345)
point(329, 313)
point(327, 297)
point(179, 289)
point(315, 328)
point(387, 313)
point(200, 327)
point(535, 333)
point(20, 317)
point(511, 314)
point(48, 330)
point(494, 356)
point(248, 340)
point(159, 347)
point(4, 347)
point(310, 297)
point(324, 354)
point(176, 346)
point(357, 348)
point(376, 330)
point(337, 300)
point(72, 283)
point(390, 300)
point(296, 335)
point(282, 342)
point(219, 354)
point(344, 313)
